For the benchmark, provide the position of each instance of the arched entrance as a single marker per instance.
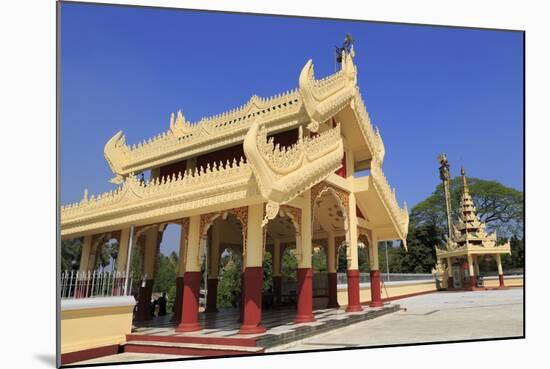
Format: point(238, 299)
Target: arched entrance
point(330, 212)
point(290, 283)
point(221, 262)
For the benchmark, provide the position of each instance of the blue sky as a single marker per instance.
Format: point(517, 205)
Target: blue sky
point(428, 89)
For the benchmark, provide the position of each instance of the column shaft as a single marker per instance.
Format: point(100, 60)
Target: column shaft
point(276, 276)
point(331, 275)
point(450, 280)
point(214, 265)
point(354, 293)
point(146, 283)
point(500, 272)
point(191, 280)
point(471, 272)
point(179, 276)
point(85, 255)
point(253, 273)
point(375, 290)
point(123, 247)
point(304, 273)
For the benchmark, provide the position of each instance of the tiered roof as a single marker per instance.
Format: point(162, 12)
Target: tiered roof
point(469, 234)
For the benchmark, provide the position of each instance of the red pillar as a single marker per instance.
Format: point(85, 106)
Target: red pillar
point(304, 313)
point(375, 296)
point(252, 316)
point(212, 296)
point(501, 281)
point(472, 282)
point(190, 309)
point(144, 301)
point(450, 283)
point(354, 303)
point(333, 291)
point(241, 316)
point(178, 299)
point(277, 288)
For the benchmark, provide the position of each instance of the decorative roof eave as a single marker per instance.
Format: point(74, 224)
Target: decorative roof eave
point(314, 102)
point(139, 203)
point(280, 175)
point(323, 98)
point(473, 249)
point(283, 174)
point(278, 113)
point(399, 216)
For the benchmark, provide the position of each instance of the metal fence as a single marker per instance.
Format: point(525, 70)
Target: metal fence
point(392, 277)
point(86, 284)
point(494, 273)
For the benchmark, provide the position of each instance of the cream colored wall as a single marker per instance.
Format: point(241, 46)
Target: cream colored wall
point(508, 281)
point(93, 327)
point(393, 290)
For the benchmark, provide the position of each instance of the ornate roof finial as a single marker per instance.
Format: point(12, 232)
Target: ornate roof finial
point(464, 182)
point(178, 124)
point(347, 48)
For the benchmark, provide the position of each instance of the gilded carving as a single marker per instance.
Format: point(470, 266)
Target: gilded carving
point(295, 215)
point(273, 174)
point(284, 173)
point(342, 196)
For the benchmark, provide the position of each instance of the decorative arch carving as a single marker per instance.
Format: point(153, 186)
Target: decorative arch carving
point(295, 216)
point(364, 236)
point(240, 213)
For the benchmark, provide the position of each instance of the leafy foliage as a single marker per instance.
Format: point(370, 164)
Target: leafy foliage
point(107, 254)
point(70, 254)
point(342, 259)
point(395, 254)
point(289, 265)
point(229, 284)
point(319, 260)
point(165, 277)
point(268, 270)
point(420, 257)
point(500, 207)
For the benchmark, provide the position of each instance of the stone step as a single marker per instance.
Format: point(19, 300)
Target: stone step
point(224, 341)
point(189, 349)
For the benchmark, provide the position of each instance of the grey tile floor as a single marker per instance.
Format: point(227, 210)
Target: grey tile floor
point(441, 316)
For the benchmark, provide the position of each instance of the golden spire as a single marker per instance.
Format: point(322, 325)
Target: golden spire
point(464, 182)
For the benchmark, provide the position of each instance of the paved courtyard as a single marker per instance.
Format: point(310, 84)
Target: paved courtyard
point(459, 315)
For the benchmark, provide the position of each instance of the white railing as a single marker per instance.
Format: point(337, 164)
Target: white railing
point(87, 284)
point(393, 277)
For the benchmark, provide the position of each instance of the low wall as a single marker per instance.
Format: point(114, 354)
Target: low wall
point(509, 281)
point(94, 325)
point(390, 290)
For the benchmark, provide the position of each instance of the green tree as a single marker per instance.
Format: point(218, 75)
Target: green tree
point(394, 257)
point(165, 272)
point(289, 265)
point(319, 260)
point(165, 277)
point(342, 258)
point(107, 254)
point(420, 257)
point(500, 207)
point(363, 259)
point(229, 285)
point(268, 270)
point(70, 254)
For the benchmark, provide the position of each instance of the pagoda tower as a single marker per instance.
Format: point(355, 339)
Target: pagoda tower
point(470, 230)
point(469, 242)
